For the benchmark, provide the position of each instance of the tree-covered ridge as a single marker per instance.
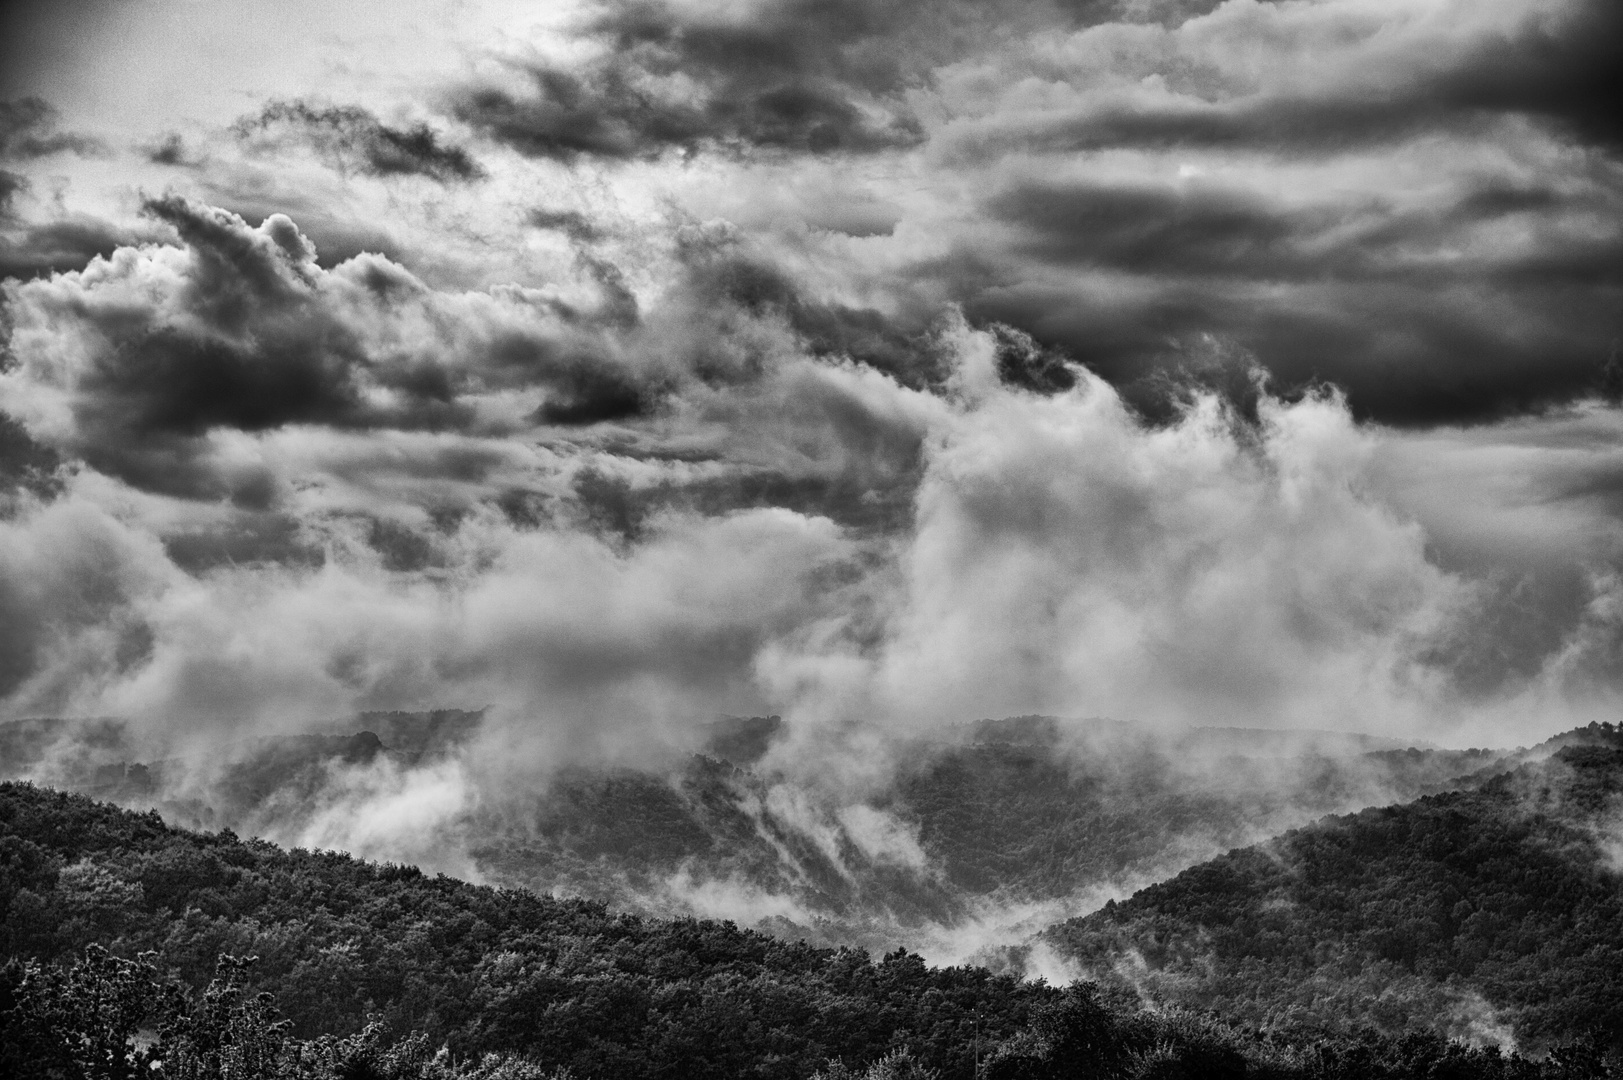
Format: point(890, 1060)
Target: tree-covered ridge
point(1028, 810)
point(1034, 817)
point(1499, 908)
point(386, 973)
point(478, 968)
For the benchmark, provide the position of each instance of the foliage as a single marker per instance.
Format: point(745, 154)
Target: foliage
point(122, 936)
point(105, 1017)
point(1481, 913)
point(342, 943)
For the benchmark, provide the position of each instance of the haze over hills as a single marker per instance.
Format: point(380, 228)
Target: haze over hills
point(1475, 894)
point(662, 460)
point(382, 972)
point(974, 840)
point(1491, 912)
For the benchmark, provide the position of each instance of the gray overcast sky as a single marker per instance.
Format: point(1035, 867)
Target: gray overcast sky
point(884, 362)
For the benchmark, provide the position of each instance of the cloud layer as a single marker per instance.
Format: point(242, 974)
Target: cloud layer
point(882, 365)
point(287, 493)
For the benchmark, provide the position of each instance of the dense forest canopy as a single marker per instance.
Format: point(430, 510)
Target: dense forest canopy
point(976, 839)
point(128, 941)
point(1493, 911)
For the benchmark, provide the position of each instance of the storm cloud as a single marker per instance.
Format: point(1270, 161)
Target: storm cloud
point(803, 76)
point(878, 365)
point(1371, 298)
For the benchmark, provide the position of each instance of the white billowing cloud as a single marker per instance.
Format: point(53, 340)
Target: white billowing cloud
point(71, 576)
point(382, 811)
point(581, 649)
point(1066, 559)
point(1053, 553)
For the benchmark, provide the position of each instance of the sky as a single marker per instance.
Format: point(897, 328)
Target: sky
point(882, 364)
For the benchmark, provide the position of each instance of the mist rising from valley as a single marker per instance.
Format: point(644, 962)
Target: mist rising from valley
point(972, 844)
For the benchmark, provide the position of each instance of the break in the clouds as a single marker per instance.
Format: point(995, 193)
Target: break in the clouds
point(881, 365)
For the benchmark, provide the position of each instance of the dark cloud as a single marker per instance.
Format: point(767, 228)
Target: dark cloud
point(337, 238)
point(1402, 357)
point(28, 130)
point(1156, 230)
point(171, 150)
point(26, 465)
point(51, 247)
point(572, 223)
point(10, 185)
point(1198, 230)
point(1564, 69)
point(239, 328)
point(588, 391)
point(870, 490)
point(174, 382)
point(1321, 124)
point(249, 345)
point(247, 539)
point(1372, 298)
point(610, 506)
point(902, 343)
point(585, 383)
point(811, 76)
point(1022, 362)
point(350, 137)
point(1560, 68)
point(400, 547)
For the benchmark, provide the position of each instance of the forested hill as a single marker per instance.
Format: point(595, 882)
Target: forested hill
point(565, 981)
point(979, 839)
point(388, 974)
point(1473, 911)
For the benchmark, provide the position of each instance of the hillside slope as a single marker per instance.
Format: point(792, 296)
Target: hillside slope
point(1482, 912)
point(395, 964)
point(978, 839)
point(565, 982)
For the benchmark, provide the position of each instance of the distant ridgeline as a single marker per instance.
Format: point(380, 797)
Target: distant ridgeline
point(1494, 910)
point(99, 757)
point(126, 945)
point(999, 816)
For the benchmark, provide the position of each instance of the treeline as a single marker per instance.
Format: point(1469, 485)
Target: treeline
point(108, 1018)
point(115, 927)
point(1467, 911)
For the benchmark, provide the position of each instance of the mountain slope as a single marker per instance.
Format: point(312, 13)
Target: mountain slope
point(424, 961)
point(565, 982)
point(975, 841)
point(1478, 912)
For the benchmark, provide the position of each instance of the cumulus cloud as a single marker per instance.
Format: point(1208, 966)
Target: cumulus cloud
point(874, 363)
point(882, 366)
point(585, 651)
point(1331, 188)
point(1415, 202)
point(32, 243)
point(1064, 559)
point(133, 362)
point(316, 490)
